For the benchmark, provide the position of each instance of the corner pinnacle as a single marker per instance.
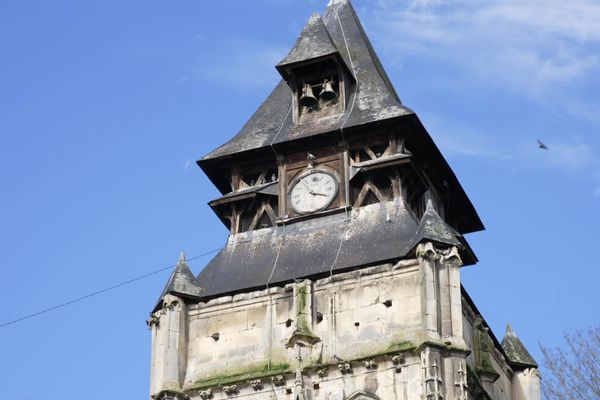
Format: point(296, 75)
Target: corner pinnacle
point(181, 258)
point(334, 2)
point(509, 331)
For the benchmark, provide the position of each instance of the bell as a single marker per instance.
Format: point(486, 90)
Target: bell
point(327, 92)
point(308, 99)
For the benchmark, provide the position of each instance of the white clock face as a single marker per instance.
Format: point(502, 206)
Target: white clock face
point(313, 191)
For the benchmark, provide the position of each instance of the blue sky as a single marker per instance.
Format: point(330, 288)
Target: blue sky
point(106, 105)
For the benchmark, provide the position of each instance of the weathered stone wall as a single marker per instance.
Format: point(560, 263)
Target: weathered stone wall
point(395, 331)
point(490, 369)
point(373, 312)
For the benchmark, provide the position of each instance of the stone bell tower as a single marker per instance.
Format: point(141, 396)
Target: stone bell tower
point(340, 278)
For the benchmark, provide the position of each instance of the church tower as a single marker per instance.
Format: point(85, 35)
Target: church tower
point(340, 279)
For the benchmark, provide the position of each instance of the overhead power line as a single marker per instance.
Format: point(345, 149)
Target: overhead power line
point(98, 292)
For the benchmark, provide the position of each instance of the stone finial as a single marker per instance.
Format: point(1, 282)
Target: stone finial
point(314, 17)
point(432, 379)
point(461, 382)
point(509, 331)
point(181, 258)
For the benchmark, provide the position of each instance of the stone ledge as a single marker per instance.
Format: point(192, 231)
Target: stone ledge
point(260, 372)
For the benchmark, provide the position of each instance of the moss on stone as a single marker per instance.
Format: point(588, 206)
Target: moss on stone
point(401, 346)
point(261, 371)
point(304, 330)
point(301, 296)
point(476, 389)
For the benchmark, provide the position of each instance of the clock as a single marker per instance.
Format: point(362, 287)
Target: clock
point(313, 191)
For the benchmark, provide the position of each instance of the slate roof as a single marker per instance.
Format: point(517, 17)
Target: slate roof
point(372, 99)
point(333, 242)
point(515, 350)
point(181, 283)
point(313, 42)
point(316, 247)
point(433, 228)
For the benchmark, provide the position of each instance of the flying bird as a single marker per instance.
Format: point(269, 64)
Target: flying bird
point(541, 145)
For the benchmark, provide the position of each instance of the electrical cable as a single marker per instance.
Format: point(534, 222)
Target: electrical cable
point(347, 221)
point(101, 291)
point(121, 284)
point(342, 133)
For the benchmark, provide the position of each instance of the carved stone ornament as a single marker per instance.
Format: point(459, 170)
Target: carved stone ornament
point(231, 389)
point(452, 258)
point(322, 372)
point(256, 384)
point(432, 380)
point(278, 380)
point(345, 367)
point(154, 320)
point(167, 395)
point(532, 372)
point(206, 394)
point(398, 359)
point(370, 364)
point(461, 383)
point(429, 252)
point(170, 302)
point(361, 395)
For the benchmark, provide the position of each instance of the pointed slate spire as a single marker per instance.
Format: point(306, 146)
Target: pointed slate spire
point(345, 27)
point(313, 42)
point(338, 33)
point(433, 227)
point(182, 283)
point(516, 351)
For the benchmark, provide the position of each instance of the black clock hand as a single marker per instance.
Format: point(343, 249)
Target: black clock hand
point(307, 187)
point(310, 191)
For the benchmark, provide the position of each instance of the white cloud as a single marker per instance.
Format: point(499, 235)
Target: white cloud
point(455, 140)
point(545, 50)
point(597, 188)
point(572, 156)
point(242, 62)
point(187, 164)
point(530, 45)
point(587, 111)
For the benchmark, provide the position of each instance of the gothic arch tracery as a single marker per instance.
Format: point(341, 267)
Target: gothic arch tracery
point(360, 395)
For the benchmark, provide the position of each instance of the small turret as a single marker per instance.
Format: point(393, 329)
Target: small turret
point(169, 325)
point(182, 283)
point(526, 378)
